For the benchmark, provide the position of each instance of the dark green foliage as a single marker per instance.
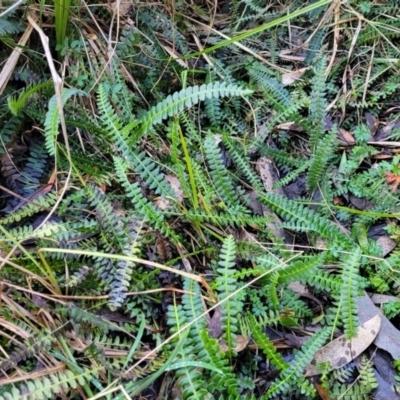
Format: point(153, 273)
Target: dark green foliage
point(150, 241)
point(294, 372)
point(319, 162)
point(226, 286)
point(266, 345)
point(347, 307)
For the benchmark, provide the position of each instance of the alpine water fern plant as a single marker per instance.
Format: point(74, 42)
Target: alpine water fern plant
point(199, 203)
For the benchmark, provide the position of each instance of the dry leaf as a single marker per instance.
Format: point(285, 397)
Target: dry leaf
point(346, 138)
point(269, 176)
point(290, 126)
point(341, 351)
point(386, 244)
point(383, 298)
point(215, 326)
point(240, 341)
point(124, 7)
point(176, 186)
point(161, 203)
point(388, 338)
point(292, 76)
point(323, 393)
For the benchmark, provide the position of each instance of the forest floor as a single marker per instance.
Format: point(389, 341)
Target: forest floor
point(199, 200)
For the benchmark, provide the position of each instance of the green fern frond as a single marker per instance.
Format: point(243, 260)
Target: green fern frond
point(318, 104)
point(112, 124)
point(301, 218)
point(266, 345)
point(10, 26)
point(50, 386)
point(319, 162)
point(41, 203)
point(151, 174)
point(241, 162)
point(270, 290)
point(221, 178)
point(325, 281)
point(300, 269)
point(144, 208)
point(123, 270)
point(291, 112)
point(295, 370)
point(273, 91)
point(281, 157)
point(53, 118)
point(291, 176)
point(229, 218)
point(348, 296)
point(177, 102)
point(189, 377)
point(367, 374)
point(226, 284)
point(211, 351)
point(17, 104)
point(8, 128)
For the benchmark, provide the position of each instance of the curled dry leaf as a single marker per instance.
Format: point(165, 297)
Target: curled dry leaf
point(341, 351)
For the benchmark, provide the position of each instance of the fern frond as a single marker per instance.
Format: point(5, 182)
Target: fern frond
point(144, 208)
point(295, 370)
point(318, 104)
point(8, 128)
point(266, 345)
point(324, 281)
point(348, 296)
point(53, 118)
point(291, 176)
point(50, 386)
point(300, 269)
point(189, 377)
point(273, 91)
point(301, 218)
point(41, 203)
point(17, 104)
point(212, 351)
point(229, 218)
point(226, 284)
point(151, 174)
point(318, 163)
point(241, 162)
point(123, 270)
point(113, 125)
point(221, 178)
point(177, 102)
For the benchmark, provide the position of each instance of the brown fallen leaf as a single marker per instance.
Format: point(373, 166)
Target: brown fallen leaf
point(215, 325)
point(346, 138)
point(290, 126)
point(240, 341)
point(269, 176)
point(341, 351)
point(324, 393)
